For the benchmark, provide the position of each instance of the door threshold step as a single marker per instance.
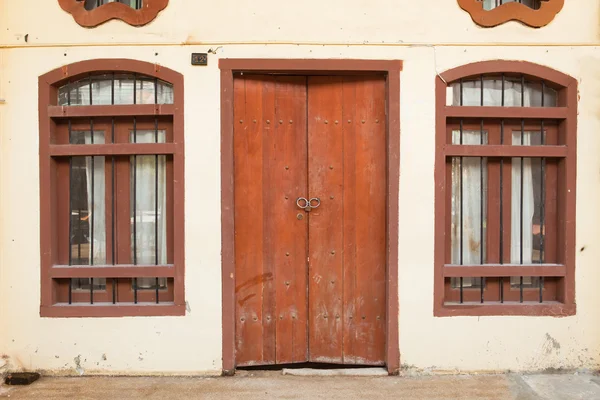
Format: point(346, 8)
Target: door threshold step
point(335, 372)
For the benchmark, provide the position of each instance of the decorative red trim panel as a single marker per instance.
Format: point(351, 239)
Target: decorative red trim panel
point(106, 12)
point(512, 12)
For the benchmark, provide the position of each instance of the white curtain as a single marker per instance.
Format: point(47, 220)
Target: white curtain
point(150, 216)
point(472, 243)
point(97, 207)
point(528, 205)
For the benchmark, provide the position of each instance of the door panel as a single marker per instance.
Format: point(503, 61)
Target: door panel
point(310, 284)
point(270, 241)
point(347, 254)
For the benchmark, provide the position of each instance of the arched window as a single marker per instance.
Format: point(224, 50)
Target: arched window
point(505, 190)
point(91, 13)
point(535, 13)
point(111, 185)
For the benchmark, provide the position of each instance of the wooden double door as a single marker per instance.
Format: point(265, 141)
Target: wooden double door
point(310, 219)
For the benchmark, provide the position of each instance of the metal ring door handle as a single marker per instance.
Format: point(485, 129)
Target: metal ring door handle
point(312, 202)
point(303, 203)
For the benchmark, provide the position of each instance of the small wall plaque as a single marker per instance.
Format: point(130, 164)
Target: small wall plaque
point(199, 59)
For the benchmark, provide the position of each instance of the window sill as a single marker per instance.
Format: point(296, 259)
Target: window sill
point(101, 310)
point(549, 309)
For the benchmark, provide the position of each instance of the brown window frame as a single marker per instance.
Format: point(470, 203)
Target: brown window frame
point(54, 192)
point(513, 11)
point(106, 12)
point(564, 154)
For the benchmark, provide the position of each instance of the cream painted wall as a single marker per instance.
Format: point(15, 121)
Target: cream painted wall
point(192, 344)
point(340, 21)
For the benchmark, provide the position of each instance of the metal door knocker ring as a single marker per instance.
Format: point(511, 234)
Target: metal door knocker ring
point(302, 203)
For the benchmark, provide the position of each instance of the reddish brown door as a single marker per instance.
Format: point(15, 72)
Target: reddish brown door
point(310, 283)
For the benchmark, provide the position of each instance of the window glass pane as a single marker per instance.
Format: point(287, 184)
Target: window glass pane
point(147, 136)
point(85, 283)
point(529, 282)
point(530, 138)
point(91, 4)
point(150, 283)
point(148, 204)
point(491, 4)
point(88, 211)
point(470, 137)
point(102, 89)
point(514, 95)
point(115, 89)
point(85, 137)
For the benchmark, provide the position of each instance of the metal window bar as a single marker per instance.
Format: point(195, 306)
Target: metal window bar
point(543, 199)
point(461, 196)
point(112, 203)
point(70, 128)
point(482, 282)
point(502, 196)
point(521, 193)
point(135, 288)
point(156, 188)
point(91, 212)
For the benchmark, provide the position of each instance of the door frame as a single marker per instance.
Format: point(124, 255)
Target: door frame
point(391, 70)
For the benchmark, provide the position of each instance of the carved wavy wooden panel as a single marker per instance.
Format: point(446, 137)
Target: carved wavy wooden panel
point(512, 12)
point(106, 12)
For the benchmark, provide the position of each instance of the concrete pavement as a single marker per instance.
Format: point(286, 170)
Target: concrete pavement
point(274, 385)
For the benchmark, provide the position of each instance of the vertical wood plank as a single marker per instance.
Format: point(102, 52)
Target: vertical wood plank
point(269, 186)
point(248, 153)
point(287, 236)
point(325, 176)
point(349, 121)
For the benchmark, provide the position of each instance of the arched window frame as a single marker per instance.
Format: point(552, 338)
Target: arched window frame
point(513, 11)
point(564, 154)
point(106, 12)
point(54, 195)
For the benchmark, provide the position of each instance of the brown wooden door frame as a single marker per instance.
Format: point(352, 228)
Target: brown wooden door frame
point(391, 70)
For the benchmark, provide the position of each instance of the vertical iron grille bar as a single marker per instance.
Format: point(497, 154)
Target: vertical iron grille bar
point(134, 88)
point(482, 282)
point(543, 197)
point(502, 195)
point(461, 195)
point(522, 182)
point(90, 89)
point(91, 212)
point(70, 204)
point(135, 288)
point(156, 187)
point(112, 202)
point(502, 210)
